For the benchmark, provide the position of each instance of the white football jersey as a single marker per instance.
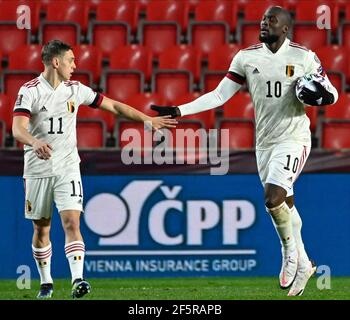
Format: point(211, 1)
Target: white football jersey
point(53, 114)
point(271, 79)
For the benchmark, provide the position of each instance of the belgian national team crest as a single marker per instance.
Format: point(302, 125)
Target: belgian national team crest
point(70, 106)
point(289, 70)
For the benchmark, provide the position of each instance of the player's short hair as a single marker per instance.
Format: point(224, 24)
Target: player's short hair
point(286, 14)
point(53, 49)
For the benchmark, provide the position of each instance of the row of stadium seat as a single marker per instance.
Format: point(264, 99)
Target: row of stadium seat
point(98, 129)
point(133, 69)
point(166, 23)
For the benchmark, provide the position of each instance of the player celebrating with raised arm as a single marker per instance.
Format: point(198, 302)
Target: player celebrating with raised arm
point(283, 137)
point(45, 122)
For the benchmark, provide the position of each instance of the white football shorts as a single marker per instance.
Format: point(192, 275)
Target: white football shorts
point(282, 164)
point(65, 190)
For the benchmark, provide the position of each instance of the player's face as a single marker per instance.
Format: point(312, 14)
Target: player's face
point(66, 65)
point(271, 27)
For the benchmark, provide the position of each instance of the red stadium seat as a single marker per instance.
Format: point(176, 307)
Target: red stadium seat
point(88, 60)
point(88, 113)
point(340, 110)
point(11, 37)
point(335, 61)
point(165, 21)
point(240, 106)
point(6, 112)
point(181, 58)
point(122, 11)
point(132, 57)
point(305, 30)
point(9, 9)
point(310, 36)
point(218, 64)
point(221, 57)
point(13, 81)
point(241, 134)
point(143, 101)
point(213, 22)
point(335, 135)
point(65, 20)
point(336, 124)
point(309, 11)
point(27, 57)
point(121, 84)
point(177, 68)
point(90, 134)
point(206, 117)
point(115, 20)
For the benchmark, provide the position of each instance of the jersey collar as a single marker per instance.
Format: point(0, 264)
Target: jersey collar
point(47, 84)
point(283, 47)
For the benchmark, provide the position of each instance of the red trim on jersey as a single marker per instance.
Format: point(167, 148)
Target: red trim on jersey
point(15, 114)
point(235, 77)
point(254, 47)
point(301, 162)
point(31, 84)
point(296, 45)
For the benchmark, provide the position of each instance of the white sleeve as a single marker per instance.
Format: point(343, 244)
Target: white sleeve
point(89, 97)
point(313, 65)
point(223, 92)
point(24, 102)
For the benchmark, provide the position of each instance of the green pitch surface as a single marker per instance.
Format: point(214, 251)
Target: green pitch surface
point(260, 288)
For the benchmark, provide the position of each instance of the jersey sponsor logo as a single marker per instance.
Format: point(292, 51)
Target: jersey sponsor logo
point(289, 70)
point(70, 106)
point(43, 109)
point(256, 71)
point(19, 99)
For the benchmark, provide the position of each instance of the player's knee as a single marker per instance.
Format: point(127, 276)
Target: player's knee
point(41, 233)
point(71, 225)
point(273, 200)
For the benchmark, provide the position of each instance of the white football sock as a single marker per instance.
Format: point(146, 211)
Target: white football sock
point(297, 224)
point(42, 258)
point(75, 252)
point(282, 220)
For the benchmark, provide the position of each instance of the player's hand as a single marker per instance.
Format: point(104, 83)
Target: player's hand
point(319, 98)
point(166, 110)
point(42, 150)
point(163, 122)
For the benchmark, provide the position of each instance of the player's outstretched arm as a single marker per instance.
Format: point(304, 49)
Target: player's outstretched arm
point(118, 108)
point(224, 91)
point(21, 134)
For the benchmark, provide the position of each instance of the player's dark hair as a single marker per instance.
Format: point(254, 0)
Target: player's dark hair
point(53, 49)
point(287, 16)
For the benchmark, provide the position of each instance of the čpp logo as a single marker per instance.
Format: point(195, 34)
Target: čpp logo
point(116, 218)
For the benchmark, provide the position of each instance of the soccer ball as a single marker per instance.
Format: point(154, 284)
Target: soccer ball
point(306, 81)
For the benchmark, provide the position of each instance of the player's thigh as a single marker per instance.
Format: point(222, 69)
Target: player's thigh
point(68, 191)
point(285, 164)
point(38, 198)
